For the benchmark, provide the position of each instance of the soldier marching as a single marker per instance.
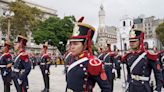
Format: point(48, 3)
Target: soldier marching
point(110, 65)
point(161, 59)
point(21, 66)
point(5, 66)
point(118, 60)
point(82, 68)
point(45, 63)
point(139, 64)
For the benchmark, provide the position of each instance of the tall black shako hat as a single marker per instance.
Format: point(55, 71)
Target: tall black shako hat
point(23, 38)
point(135, 35)
point(82, 32)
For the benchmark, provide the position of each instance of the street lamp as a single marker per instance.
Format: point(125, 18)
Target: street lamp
point(8, 14)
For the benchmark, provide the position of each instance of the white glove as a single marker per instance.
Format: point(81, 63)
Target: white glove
point(46, 71)
point(155, 91)
point(5, 73)
point(113, 70)
point(19, 81)
point(125, 85)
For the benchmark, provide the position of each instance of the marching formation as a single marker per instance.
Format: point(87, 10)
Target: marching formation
point(83, 69)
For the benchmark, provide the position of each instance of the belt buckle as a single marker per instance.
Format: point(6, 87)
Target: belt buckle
point(137, 77)
point(69, 90)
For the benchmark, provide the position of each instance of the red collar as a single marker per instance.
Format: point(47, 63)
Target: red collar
point(83, 54)
point(137, 52)
point(22, 51)
point(6, 51)
point(109, 50)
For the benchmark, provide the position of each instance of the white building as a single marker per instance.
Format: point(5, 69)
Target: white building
point(125, 26)
point(148, 25)
point(106, 34)
point(47, 12)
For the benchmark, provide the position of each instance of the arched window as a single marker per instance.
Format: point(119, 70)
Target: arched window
point(114, 47)
point(125, 46)
point(124, 24)
point(146, 45)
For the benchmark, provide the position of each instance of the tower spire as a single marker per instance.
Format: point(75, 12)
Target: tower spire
point(101, 16)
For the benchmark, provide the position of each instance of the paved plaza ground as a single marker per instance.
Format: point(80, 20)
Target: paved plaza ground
point(57, 81)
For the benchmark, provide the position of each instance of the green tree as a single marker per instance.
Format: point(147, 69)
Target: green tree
point(3, 23)
point(160, 32)
point(25, 18)
point(54, 30)
point(94, 49)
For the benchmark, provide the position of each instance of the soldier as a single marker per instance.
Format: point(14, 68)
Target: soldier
point(54, 59)
point(100, 54)
point(67, 57)
point(22, 65)
point(155, 49)
point(33, 60)
point(118, 60)
point(109, 65)
point(84, 69)
point(5, 66)
point(161, 59)
point(139, 64)
point(44, 66)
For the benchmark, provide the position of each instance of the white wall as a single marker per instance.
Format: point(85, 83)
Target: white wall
point(152, 42)
point(124, 31)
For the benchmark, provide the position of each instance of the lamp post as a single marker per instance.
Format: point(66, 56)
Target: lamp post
point(8, 14)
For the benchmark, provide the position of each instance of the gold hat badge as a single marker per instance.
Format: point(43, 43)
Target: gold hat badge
point(76, 31)
point(132, 34)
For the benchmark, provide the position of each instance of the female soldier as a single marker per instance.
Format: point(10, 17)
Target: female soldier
point(83, 68)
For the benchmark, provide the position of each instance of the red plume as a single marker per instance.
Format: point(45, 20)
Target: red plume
point(142, 41)
point(81, 19)
point(89, 42)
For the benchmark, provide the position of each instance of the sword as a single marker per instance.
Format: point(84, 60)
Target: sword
point(125, 84)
